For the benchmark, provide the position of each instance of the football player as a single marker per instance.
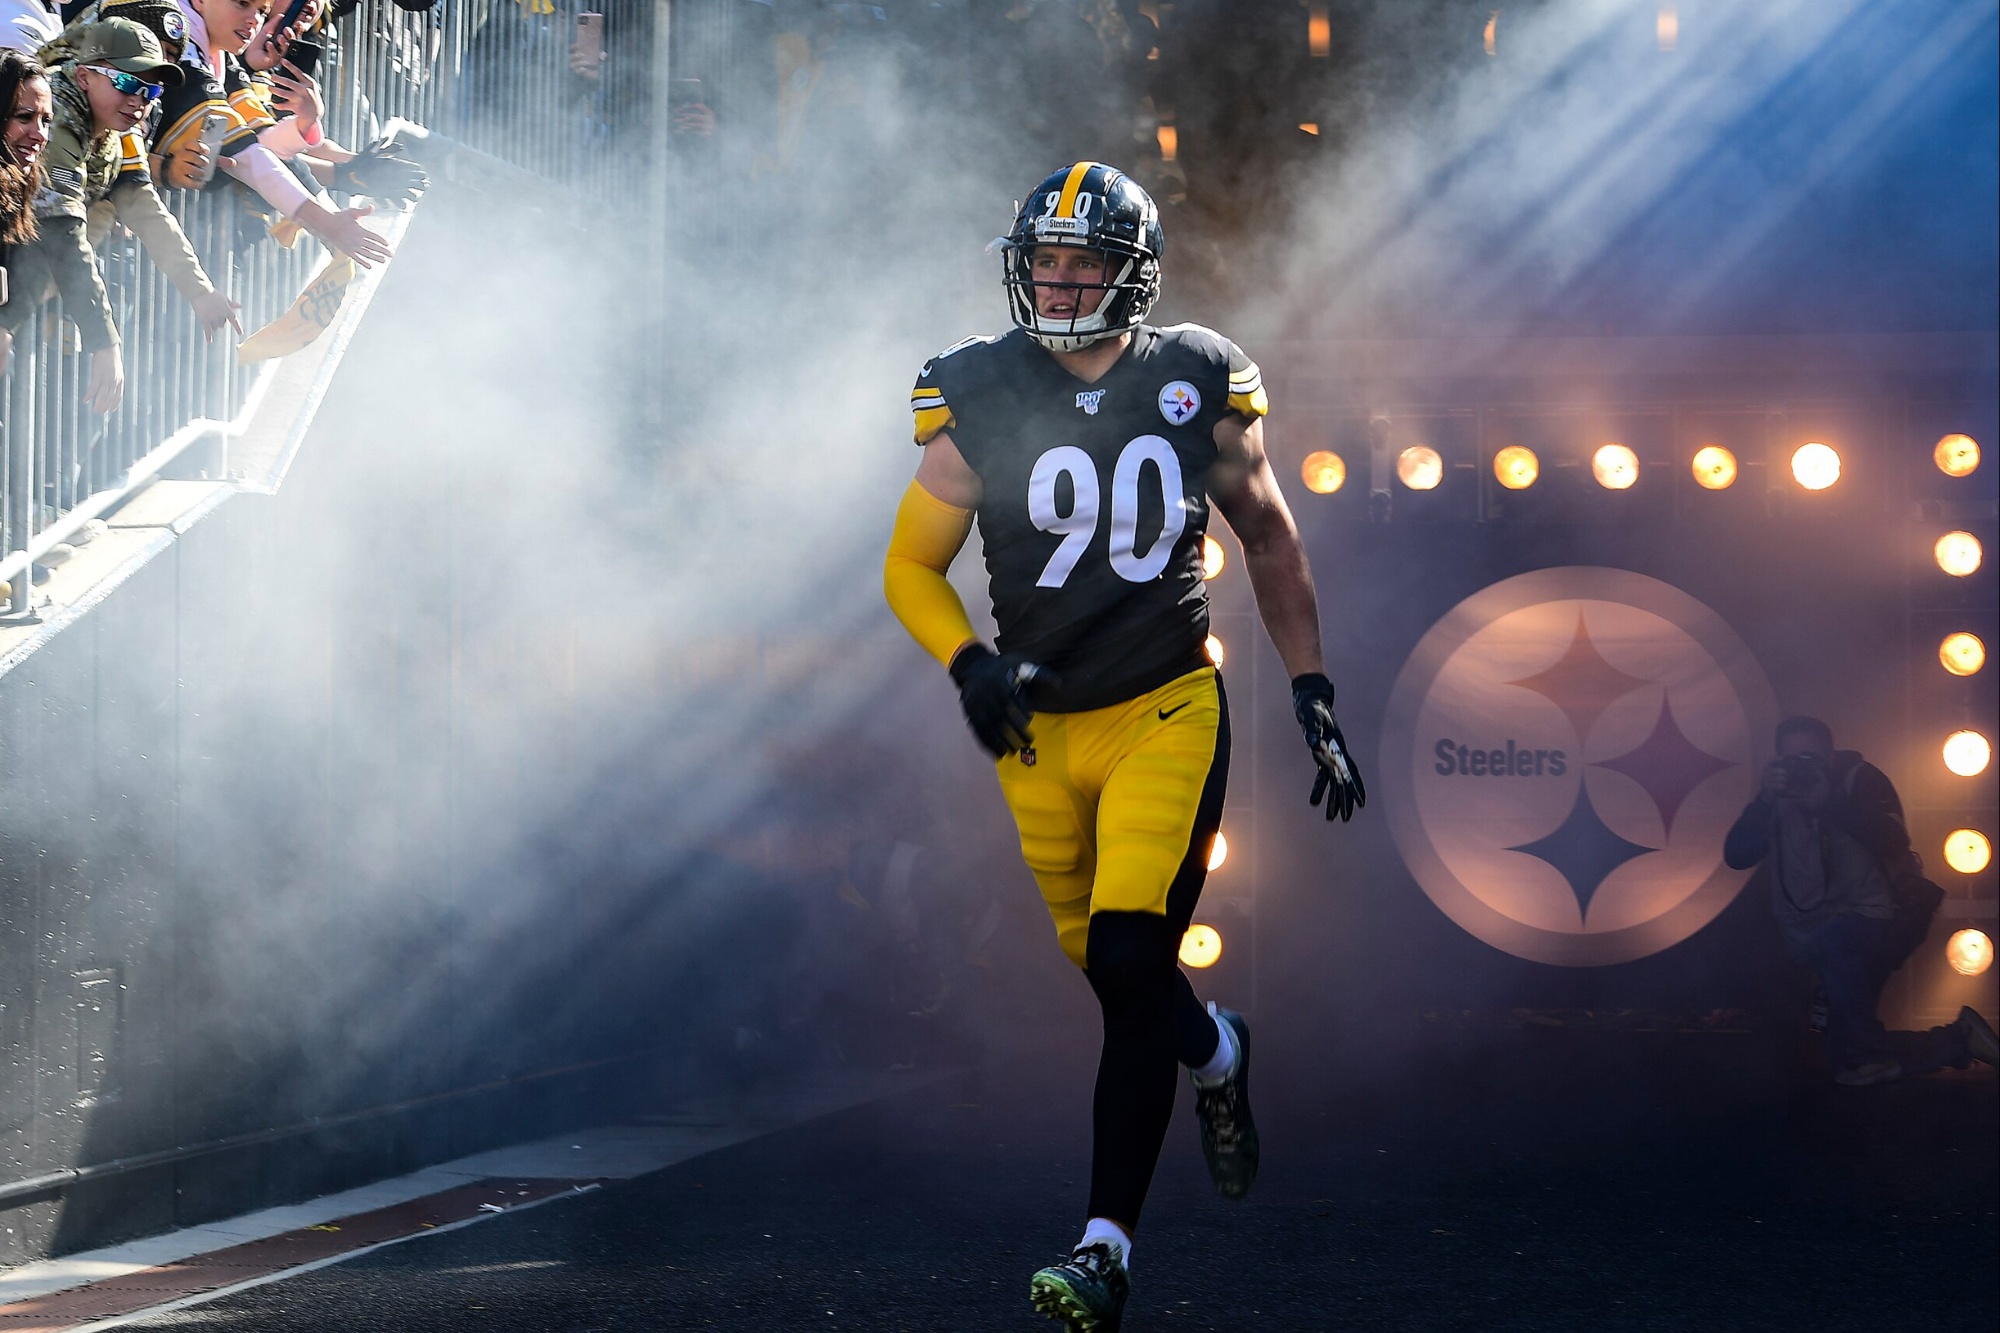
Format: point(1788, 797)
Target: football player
point(1089, 445)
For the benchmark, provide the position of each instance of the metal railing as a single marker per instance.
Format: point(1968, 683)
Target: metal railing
point(491, 80)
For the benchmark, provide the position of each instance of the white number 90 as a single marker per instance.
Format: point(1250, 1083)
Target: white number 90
point(1079, 525)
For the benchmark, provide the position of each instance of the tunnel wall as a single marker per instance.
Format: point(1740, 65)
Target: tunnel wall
point(226, 912)
point(268, 852)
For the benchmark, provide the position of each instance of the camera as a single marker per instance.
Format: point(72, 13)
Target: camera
point(1802, 771)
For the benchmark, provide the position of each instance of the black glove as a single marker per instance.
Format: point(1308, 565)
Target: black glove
point(993, 690)
point(378, 172)
point(1339, 779)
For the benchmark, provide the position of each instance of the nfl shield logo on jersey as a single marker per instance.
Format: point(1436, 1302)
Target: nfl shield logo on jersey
point(1088, 400)
point(1179, 402)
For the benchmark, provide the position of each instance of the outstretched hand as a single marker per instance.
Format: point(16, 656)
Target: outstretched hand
point(215, 311)
point(343, 231)
point(107, 380)
point(380, 172)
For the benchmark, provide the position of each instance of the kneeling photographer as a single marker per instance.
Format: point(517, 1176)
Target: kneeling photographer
point(1851, 900)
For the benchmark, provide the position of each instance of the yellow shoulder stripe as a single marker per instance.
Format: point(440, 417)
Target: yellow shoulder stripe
point(931, 420)
point(1246, 391)
point(1251, 403)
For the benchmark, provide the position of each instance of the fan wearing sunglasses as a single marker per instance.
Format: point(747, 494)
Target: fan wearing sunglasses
point(112, 72)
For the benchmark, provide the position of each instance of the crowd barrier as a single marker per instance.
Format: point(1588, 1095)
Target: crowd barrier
point(486, 88)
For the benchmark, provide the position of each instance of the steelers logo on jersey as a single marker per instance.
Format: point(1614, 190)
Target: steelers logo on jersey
point(1179, 401)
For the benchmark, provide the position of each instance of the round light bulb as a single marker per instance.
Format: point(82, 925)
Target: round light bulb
point(1218, 851)
point(1958, 554)
point(1957, 455)
point(1420, 468)
point(1815, 466)
point(1969, 951)
point(1615, 467)
point(1212, 557)
point(1714, 468)
point(1516, 467)
point(1213, 647)
point(1962, 653)
point(1323, 472)
point(1967, 753)
point(1201, 946)
point(1967, 851)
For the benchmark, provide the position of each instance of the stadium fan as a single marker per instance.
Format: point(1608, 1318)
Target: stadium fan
point(113, 70)
point(24, 92)
point(163, 19)
point(223, 42)
point(289, 92)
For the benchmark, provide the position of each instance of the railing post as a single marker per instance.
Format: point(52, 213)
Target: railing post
point(657, 209)
point(21, 477)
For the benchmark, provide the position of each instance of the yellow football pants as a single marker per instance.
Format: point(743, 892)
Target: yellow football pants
point(1117, 807)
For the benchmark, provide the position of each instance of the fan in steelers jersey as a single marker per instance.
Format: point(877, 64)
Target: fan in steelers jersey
point(1089, 445)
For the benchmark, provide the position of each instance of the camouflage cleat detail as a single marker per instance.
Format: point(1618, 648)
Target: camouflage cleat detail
point(1086, 1291)
point(1228, 1132)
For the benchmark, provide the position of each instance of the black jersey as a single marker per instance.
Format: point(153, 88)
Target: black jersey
point(201, 94)
point(1095, 498)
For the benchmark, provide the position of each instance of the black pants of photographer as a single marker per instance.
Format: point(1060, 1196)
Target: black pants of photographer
point(1855, 956)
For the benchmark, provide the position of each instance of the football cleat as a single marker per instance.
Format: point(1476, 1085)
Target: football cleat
point(1086, 1291)
point(1228, 1132)
point(1980, 1043)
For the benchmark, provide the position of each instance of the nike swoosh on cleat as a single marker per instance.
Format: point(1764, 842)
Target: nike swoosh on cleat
point(1166, 713)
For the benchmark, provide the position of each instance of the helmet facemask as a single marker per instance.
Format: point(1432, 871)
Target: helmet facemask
point(1130, 286)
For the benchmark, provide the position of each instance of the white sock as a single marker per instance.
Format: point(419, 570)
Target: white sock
point(1103, 1231)
point(1223, 1063)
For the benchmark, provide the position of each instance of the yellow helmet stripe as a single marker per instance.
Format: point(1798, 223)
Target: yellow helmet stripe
point(1067, 203)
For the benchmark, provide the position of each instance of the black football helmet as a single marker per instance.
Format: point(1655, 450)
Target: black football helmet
point(1099, 208)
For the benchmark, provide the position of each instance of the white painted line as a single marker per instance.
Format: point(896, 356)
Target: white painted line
point(613, 1152)
point(51, 1275)
point(202, 1297)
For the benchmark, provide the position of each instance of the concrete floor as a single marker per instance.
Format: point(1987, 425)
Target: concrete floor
point(1535, 1180)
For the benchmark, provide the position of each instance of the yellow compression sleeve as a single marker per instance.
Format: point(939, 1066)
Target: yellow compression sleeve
point(928, 534)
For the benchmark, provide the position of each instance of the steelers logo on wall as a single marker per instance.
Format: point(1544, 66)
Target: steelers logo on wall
point(1564, 753)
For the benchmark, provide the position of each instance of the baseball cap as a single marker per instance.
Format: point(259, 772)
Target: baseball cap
point(123, 45)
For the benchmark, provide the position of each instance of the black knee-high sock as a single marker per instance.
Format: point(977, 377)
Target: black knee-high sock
point(1153, 1021)
point(1130, 963)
